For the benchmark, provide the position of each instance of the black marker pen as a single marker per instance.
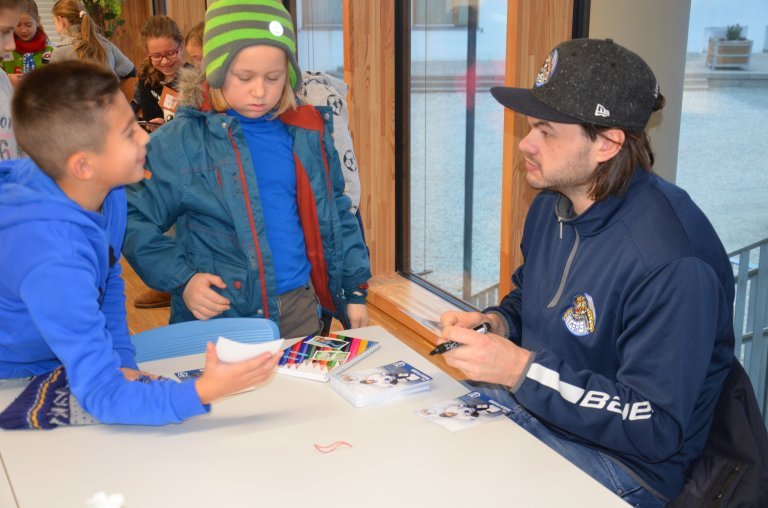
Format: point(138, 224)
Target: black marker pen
point(452, 344)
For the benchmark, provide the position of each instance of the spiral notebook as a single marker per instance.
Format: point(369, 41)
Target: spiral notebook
point(315, 357)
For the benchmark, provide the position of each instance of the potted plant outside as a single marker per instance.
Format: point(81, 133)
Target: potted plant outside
point(732, 51)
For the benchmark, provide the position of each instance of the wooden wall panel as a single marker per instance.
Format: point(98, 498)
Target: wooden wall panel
point(126, 37)
point(186, 13)
point(534, 27)
point(369, 69)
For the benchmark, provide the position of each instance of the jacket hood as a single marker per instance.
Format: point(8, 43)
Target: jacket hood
point(27, 194)
point(193, 90)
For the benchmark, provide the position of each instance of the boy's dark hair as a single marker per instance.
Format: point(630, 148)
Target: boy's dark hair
point(10, 4)
point(59, 109)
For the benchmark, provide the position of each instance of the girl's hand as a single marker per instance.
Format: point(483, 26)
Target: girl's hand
point(220, 379)
point(15, 79)
point(203, 301)
point(357, 314)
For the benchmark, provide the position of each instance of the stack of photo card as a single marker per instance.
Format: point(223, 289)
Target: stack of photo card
point(315, 357)
point(464, 412)
point(373, 386)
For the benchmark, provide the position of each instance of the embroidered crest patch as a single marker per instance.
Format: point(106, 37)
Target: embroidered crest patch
point(547, 69)
point(581, 316)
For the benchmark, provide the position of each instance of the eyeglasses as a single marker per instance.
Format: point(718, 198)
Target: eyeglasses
point(168, 55)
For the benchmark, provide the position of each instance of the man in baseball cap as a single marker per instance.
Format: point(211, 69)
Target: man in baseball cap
point(615, 343)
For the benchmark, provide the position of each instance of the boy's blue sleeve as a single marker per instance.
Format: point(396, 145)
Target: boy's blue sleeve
point(357, 266)
point(113, 302)
point(113, 307)
point(154, 205)
point(61, 295)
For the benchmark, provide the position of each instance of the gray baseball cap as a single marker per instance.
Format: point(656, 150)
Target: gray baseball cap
point(591, 81)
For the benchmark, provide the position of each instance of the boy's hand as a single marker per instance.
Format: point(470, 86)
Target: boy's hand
point(153, 124)
point(133, 374)
point(357, 314)
point(203, 301)
point(220, 379)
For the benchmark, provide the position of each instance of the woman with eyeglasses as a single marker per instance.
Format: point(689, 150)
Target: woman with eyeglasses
point(154, 100)
point(81, 40)
point(155, 96)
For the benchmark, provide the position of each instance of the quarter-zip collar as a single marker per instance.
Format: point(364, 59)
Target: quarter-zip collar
point(599, 215)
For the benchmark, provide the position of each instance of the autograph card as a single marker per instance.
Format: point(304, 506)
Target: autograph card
point(231, 351)
point(463, 412)
point(186, 375)
point(317, 340)
point(331, 356)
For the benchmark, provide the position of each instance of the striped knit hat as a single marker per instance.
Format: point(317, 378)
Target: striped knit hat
point(231, 25)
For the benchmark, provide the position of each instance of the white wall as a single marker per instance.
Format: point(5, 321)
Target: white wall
point(712, 13)
point(657, 30)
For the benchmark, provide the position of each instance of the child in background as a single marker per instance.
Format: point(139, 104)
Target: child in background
point(33, 48)
point(193, 44)
point(155, 98)
point(10, 12)
point(80, 40)
point(62, 222)
point(264, 228)
point(156, 87)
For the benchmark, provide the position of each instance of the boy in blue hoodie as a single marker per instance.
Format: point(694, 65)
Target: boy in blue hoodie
point(62, 222)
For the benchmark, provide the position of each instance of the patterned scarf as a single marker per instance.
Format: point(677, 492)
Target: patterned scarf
point(34, 45)
point(45, 403)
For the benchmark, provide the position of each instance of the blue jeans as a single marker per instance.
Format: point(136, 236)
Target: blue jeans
point(596, 464)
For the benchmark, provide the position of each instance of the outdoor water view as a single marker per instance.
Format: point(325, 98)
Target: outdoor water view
point(721, 159)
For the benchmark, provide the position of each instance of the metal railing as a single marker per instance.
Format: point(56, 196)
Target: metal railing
point(750, 316)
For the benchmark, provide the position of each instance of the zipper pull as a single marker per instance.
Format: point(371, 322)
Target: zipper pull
point(561, 227)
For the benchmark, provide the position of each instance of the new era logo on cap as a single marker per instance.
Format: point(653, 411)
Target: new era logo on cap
point(601, 111)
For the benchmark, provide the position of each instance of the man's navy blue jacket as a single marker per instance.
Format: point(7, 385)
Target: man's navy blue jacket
point(628, 310)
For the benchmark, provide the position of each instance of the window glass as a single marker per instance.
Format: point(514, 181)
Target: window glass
point(455, 148)
point(723, 154)
point(320, 38)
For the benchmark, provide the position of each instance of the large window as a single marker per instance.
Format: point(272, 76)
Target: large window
point(320, 37)
point(723, 154)
point(451, 213)
point(440, 13)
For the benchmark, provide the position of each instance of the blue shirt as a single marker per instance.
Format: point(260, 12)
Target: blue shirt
point(271, 148)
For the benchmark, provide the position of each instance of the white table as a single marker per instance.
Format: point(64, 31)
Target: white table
point(257, 449)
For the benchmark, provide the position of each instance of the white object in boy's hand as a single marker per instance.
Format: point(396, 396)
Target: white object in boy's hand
point(231, 351)
point(102, 500)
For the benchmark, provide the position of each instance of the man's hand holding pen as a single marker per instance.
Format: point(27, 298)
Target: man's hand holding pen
point(486, 357)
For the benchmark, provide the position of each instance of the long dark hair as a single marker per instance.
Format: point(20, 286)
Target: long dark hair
point(612, 177)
